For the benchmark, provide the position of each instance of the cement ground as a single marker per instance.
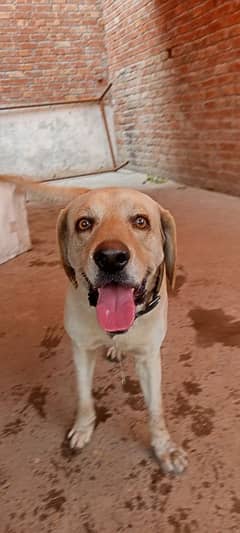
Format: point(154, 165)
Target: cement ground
point(115, 485)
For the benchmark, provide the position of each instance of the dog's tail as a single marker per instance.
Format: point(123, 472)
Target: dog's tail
point(44, 191)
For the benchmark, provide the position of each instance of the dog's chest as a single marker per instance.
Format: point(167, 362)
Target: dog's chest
point(134, 340)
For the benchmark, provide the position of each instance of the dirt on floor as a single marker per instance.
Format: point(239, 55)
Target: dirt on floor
point(114, 484)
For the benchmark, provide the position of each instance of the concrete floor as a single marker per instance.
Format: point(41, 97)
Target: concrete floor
point(114, 485)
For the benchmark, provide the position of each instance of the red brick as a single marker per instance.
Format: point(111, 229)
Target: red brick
point(30, 40)
point(176, 114)
point(175, 67)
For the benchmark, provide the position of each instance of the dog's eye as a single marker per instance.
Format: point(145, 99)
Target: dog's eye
point(84, 224)
point(140, 222)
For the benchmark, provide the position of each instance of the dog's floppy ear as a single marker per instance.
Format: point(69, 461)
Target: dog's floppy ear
point(62, 235)
point(169, 244)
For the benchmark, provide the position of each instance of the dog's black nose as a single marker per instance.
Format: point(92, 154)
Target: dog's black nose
point(111, 256)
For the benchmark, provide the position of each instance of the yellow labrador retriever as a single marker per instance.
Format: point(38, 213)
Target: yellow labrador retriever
point(118, 247)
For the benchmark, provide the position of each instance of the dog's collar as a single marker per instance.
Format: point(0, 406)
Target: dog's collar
point(149, 307)
point(154, 297)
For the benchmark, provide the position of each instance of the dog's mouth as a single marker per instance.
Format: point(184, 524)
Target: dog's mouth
point(116, 304)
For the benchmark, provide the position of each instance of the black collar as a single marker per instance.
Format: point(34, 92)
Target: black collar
point(155, 297)
point(149, 307)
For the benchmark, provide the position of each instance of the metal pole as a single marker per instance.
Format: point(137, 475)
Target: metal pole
point(102, 171)
point(107, 133)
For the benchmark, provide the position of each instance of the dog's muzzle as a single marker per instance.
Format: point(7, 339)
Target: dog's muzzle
point(117, 302)
point(115, 295)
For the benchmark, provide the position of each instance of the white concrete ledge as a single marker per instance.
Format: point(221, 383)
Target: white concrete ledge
point(14, 232)
point(121, 178)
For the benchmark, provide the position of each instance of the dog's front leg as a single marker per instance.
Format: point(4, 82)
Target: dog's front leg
point(172, 458)
point(83, 427)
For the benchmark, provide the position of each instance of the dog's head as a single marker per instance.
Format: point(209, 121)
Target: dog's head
point(114, 241)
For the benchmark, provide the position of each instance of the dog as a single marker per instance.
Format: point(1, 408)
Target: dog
point(118, 250)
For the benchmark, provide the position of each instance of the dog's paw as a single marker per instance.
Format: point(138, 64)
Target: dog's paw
point(113, 354)
point(173, 459)
point(80, 435)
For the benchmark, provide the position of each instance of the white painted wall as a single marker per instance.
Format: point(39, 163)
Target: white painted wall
point(56, 141)
point(43, 143)
point(14, 233)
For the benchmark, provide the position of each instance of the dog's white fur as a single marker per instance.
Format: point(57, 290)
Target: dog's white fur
point(145, 337)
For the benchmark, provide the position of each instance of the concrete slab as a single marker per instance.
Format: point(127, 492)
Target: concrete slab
point(14, 231)
point(55, 141)
point(114, 485)
point(121, 178)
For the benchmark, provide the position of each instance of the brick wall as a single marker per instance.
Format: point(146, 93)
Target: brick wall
point(176, 66)
point(50, 50)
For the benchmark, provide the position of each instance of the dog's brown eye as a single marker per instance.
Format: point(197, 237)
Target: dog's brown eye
point(140, 222)
point(84, 224)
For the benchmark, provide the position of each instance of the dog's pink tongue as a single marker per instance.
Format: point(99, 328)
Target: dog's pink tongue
point(115, 308)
